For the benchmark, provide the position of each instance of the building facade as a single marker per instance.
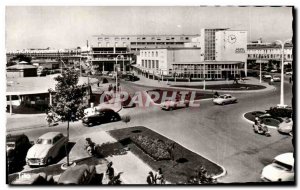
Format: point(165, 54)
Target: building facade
point(215, 54)
point(135, 43)
point(261, 53)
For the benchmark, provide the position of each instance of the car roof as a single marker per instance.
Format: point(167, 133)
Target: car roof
point(14, 137)
point(49, 135)
point(227, 94)
point(72, 175)
point(286, 158)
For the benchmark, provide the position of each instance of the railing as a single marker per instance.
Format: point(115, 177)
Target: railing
point(110, 52)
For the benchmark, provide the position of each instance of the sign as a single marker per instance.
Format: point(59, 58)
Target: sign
point(240, 50)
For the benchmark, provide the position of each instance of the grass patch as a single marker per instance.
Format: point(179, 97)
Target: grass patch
point(182, 164)
point(272, 121)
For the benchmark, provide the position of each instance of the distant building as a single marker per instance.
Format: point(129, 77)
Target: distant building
point(269, 53)
point(21, 70)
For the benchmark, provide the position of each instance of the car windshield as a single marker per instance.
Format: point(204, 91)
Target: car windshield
point(282, 165)
point(43, 141)
point(10, 145)
point(222, 96)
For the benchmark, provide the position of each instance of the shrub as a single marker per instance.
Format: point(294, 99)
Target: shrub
point(280, 112)
point(155, 148)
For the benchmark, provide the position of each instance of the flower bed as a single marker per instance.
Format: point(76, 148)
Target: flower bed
point(155, 148)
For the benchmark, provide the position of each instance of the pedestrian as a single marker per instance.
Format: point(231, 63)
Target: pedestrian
point(216, 94)
point(159, 177)
point(150, 178)
point(290, 80)
point(110, 172)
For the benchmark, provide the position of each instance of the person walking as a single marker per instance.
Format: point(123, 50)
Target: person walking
point(110, 172)
point(159, 177)
point(150, 178)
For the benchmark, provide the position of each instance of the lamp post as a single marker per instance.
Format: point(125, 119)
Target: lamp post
point(281, 104)
point(117, 71)
point(259, 68)
point(204, 76)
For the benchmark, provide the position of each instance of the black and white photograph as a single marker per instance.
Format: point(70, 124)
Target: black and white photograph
point(150, 95)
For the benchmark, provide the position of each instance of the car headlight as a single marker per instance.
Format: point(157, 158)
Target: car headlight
point(42, 160)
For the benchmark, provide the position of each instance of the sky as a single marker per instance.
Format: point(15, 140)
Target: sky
point(70, 26)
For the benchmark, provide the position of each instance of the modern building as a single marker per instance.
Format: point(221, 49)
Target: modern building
point(135, 43)
point(261, 53)
point(215, 54)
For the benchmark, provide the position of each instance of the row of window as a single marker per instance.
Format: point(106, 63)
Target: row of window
point(149, 53)
point(270, 56)
point(207, 67)
point(151, 64)
point(141, 38)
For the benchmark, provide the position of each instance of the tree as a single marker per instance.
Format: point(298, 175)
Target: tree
point(68, 100)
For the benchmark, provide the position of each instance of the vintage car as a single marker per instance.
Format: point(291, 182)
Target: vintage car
point(276, 78)
point(281, 169)
point(33, 179)
point(46, 148)
point(286, 127)
point(78, 175)
point(104, 115)
point(266, 76)
point(224, 99)
point(17, 146)
point(178, 102)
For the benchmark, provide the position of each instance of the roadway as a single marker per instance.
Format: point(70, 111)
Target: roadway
point(218, 133)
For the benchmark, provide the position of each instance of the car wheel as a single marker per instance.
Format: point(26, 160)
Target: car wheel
point(49, 161)
point(223, 103)
point(90, 124)
point(170, 109)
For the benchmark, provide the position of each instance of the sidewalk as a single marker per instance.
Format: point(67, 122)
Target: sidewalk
point(134, 170)
point(149, 82)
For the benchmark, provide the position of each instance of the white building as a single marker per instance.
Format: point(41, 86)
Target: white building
point(215, 54)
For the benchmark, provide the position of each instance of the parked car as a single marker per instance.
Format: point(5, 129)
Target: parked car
point(101, 116)
point(16, 149)
point(34, 179)
point(131, 78)
point(46, 148)
point(266, 76)
point(286, 127)
point(78, 175)
point(281, 169)
point(224, 99)
point(276, 78)
point(274, 71)
point(289, 73)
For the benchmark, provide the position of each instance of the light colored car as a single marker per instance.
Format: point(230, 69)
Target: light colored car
point(174, 104)
point(276, 78)
point(286, 126)
point(273, 71)
point(281, 169)
point(224, 99)
point(289, 73)
point(46, 148)
point(267, 76)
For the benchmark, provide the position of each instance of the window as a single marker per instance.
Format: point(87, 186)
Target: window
point(142, 63)
point(144, 38)
point(186, 38)
point(157, 64)
point(156, 54)
point(152, 53)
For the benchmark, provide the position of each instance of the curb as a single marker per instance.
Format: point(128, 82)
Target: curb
point(201, 90)
point(251, 122)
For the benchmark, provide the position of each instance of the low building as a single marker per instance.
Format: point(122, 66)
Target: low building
point(21, 70)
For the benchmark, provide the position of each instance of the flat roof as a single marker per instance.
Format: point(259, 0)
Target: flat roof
point(208, 62)
point(36, 85)
point(20, 67)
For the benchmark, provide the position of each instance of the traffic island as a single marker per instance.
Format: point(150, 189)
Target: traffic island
point(231, 87)
point(177, 163)
point(267, 119)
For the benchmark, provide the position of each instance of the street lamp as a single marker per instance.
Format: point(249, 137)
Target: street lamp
point(204, 76)
point(282, 74)
point(117, 71)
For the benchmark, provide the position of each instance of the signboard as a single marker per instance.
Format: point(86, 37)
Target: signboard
point(240, 50)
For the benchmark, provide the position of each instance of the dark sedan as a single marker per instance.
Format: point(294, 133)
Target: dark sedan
point(103, 116)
